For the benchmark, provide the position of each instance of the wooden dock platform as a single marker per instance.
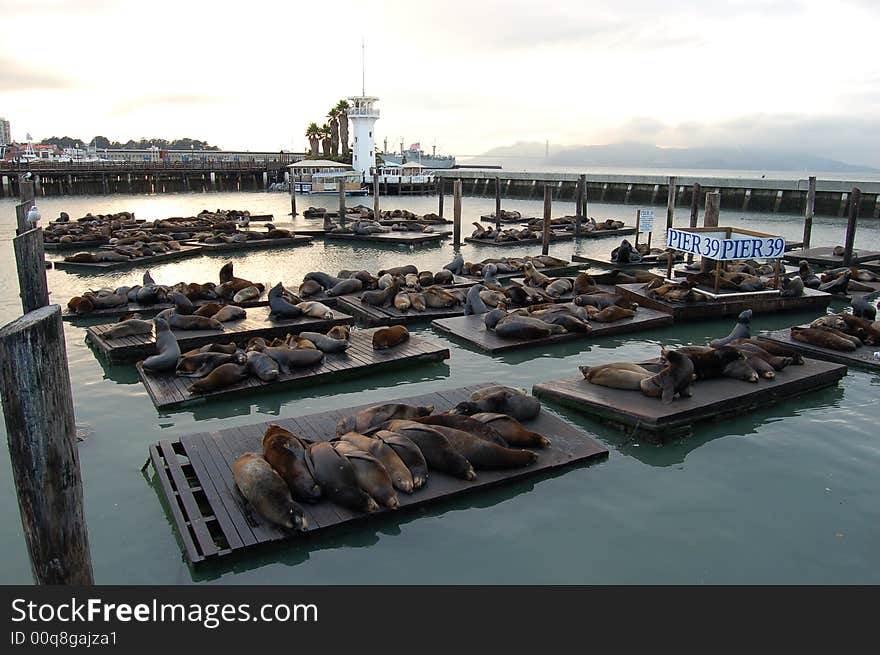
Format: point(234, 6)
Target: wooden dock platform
point(649, 261)
point(824, 256)
point(812, 300)
point(862, 357)
point(215, 522)
point(78, 267)
point(555, 236)
point(599, 234)
point(488, 218)
point(552, 271)
point(257, 244)
point(376, 316)
point(75, 245)
point(472, 330)
point(169, 390)
point(396, 238)
point(712, 399)
point(111, 314)
point(255, 324)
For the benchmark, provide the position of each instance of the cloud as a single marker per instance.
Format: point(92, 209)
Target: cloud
point(138, 104)
point(16, 77)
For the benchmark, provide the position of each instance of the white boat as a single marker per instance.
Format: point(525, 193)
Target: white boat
point(321, 176)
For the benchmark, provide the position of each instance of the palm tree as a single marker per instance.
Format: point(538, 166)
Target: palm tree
point(325, 139)
point(334, 131)
point(342, 108)
point(313, 132)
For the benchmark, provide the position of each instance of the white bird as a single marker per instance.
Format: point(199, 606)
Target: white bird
point(33, 216)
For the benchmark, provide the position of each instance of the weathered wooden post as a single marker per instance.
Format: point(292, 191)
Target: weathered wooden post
point(292, 194)
point(670, 202)
point(810, 211)
point(30, 262)
point(38, 410)
point(441, 191)
point(855, 199)
point(695, 212)
point(340, 187)
point(710, 219)
point(456, 214)
point(497, 203)
point(579, 204)
point(638, 226)
point(26, 191)
point(376, 214)
point(545, 236)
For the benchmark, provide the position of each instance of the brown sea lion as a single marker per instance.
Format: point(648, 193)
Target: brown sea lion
point(584, 284)
point(249, 293)
point(675, 378)
point(128, 328)
point(616, 375)
point(439, 298)
point(80, 305)
point(324, 343)
point(193, 322)
point(373, 417)
point(402, 302)
point(289, 358)
point(612, 313)
point(382, 297)
point(221, 377)
point(409, 454)
point(287, 454)
point(198, 365)
point(511, 430)
point(227, 275)
point(337, 478)
point(230, 313)
point(438, 452)
point(823, 338)
point(339, 332)
point(709, 362)
point(389, 337)
point(401, 476)
point(464, 423)
point(267, 493)
point(417, 300)
point(399, 270)
point(370, 474)
point(519, 406)
point(208, 310)
point(773, 348)
point(310, 288)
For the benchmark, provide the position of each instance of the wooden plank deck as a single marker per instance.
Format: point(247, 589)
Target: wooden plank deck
point(812, 300)
point(76, 245)
point(185, 251)
point(712, 399)
point(472, 330)
point(168, 390)
point(406, 238)
point(112, 313)
point(257, 244)
point(214, 521)
point(555, 236)
point(862, 357)
point(823, 256)
point(255, 324)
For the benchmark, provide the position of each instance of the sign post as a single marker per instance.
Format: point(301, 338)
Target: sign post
point(644, 223)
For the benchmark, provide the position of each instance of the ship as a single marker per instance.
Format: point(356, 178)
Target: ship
point(415, 154)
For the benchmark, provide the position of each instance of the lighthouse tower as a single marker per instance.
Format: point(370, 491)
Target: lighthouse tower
point(363, 118)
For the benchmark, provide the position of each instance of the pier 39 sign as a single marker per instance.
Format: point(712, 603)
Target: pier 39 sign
point(716, 245)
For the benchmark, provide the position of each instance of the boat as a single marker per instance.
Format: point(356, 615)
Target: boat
point(415, 154)
point(321, 176)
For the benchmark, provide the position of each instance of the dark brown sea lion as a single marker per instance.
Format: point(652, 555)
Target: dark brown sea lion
point(229, 313)
point(709, 362)
point(773, 348)
point(438, 452)
point(740, 369)
point(221, 377)
point(289, 358)
point(193, 322)
point(383, 297)
point(439, 298)
point(287, 454)
point(337, 478)
point(227, 275)
point(267, 493)
point(208, 310)
point(466, 424)
point(310, 288)
point(389, 337)
point(584, 284)
point(198, 365)
point(519, 406)
point(373, 417)
point(80, 305)
point(370, 474)
point(401, 476)
point(262, 366)
point(822, 338)
point(400, 270)
point(675, 378)
point(182, 304)
point(167, 347)
point(611, 314)
point(344, 287)
point(281, 308)
point(616, 375)
point(409, 454)
point(511, 430)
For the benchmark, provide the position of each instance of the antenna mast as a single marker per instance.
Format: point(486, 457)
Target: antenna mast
point(363, 70)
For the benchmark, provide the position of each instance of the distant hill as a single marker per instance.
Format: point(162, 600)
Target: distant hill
point(643, 155)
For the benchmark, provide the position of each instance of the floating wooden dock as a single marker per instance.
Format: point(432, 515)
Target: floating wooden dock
point(812, 300)
point(648, 261)
point(214, 521)
point(112, 313)
point(75, 245)
point(487, 218)
point(169, 390)
point(824, 256)
point(552, 271)
point(555, 236)
point(255, 324)
point(184, 252)
point(598, 234)
point(405, 238)
point(862, 357)
point(712, 399)
point(376, 316)
point(256, 244)
point(682, 272)
point(472, 330)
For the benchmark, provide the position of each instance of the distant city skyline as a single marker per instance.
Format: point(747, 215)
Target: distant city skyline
point(794, 75)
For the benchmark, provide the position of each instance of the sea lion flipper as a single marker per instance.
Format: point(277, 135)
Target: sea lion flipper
point(668, 392)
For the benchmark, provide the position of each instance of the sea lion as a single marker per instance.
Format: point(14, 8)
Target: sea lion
point(198, 365)
point(262, 366)
point(208, 309)
point(675, 378)
point(128, 328)
point(602, 300)
point(612, 313)
point(193, 322)
point(438, 452)
point(559, 287)
point(863, 308)
point(370, 474)
point(309, 288)
point(409, 454)
point(343, 287)
point(709, 362)
point(456, 264)
point(385, 281)
point(583, 284)
point(288, 358)
point(417, 300)
point(402, 302)
point(474, 304)
point(227, 348)
point(339, 332)
point(382, 297)
point(373, 417)
point(805, 272)
point(388, 337)
point(325, 280)
point(279, 307)
point(740, 369)
point(792, 287)
point(740, 331)
point(182, 304)
point(838, 285)
point(775, 349)
point(511, 430)
point(401, 476)
point(286, 453)
point(248, 293)
point(80, 305)
point(778, 363)
point(229, 313)
point(465, 424)
point(625, 254)
point(504, 401)
point(400, 270)
point(324, 343)
point(512, 327)
point(167, 347)
point(337, 478)
point(616, 375)
point(534, 277)
point(490, 275)
point(267, 492)
point(440, 298)
point(315, 310)
point(822, 338)
point(227, 275)
point(221, 377)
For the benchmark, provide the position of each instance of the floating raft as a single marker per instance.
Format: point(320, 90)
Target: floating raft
point(554, 236)
point(255, 324)
point(112, 313)
point(214, 521)
point(649, 261)
point(75, 245)
point(169, 390)
point(472, 330)
point(488, 218)
point(388, 222)
point(598, 234)
point(682, 272)
point(552, 271)
point(734, 303)
point(256, 244)
point(375, 316)
point(712, 399)
point(824, 256)
point(406, 238)
point(862, 357)
point(185, 251)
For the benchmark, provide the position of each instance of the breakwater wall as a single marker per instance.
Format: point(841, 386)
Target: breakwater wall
point(765, 195)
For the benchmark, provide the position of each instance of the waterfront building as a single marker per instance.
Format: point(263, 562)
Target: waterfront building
point(5, 132)
point(317, 176)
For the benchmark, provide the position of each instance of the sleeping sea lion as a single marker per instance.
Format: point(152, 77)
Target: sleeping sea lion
point(198, 365)
point(402, 302)
point(262, 366)
point(511, 430)
point(409, 454)
point(193, 322)
point(822, 338)
point(464, 423)
point(337, 478)
point(208, 309)
point(288, 358)
point(279, 307)
point(400, 270)
point(373, 417)
point(315, 310)
point(221, 377)
point(616, 375)
point(583, 284)
point(324, 343)
point(401, 476)
point(709, 362)
point(675, 378)
point(229, 313)
point(612, 313)
point(325, 280)
point(344, 287)
point(182, 304)
point(248, 293)
point(438, 452)
point(167, 347)
point(740, 331)
point(128, 328)
point(370, 474)
point(388, 337)
point(267, 492)
point(773, 348)
point(339, 332)
point(286, 453)
point(309, 288)
point(516, 405)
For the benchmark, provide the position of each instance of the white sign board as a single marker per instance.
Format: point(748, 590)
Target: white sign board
point(714, 246)
point(646, 220)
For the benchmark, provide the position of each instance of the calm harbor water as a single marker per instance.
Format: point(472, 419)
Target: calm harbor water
point(787, 494)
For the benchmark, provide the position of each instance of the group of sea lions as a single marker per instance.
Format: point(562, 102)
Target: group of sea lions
point(736, 356)
point(626, 253)
point(842, 331)
point(242, 236)
point(89, 228)
point(503, 235)
point(345, 282)
point(386, 449)
point(567, 223)
point(155, 245)
point(838, 281)
point(502, 265)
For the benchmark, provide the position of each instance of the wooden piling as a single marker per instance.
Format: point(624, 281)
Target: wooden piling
point(695, 211)
point(638, 227)
point(497, 203)
point(456, 214)
point(855, 199)
point(341, 189)
point(376, 214)
point(41, 434)
point(545, 237)
point(292, 195)
point(670, 202)
point(440, 193)
point(30, 262)
point(26, 191)
point(580, 191)
point(810, 211)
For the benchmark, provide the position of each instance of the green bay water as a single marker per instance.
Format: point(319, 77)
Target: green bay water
point(786, 494)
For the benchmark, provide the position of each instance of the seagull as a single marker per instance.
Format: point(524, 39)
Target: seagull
point(33, 216)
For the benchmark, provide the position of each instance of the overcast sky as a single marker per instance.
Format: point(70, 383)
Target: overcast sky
point(796, 75)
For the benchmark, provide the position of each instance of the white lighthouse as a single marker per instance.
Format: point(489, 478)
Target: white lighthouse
point(363, 118)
